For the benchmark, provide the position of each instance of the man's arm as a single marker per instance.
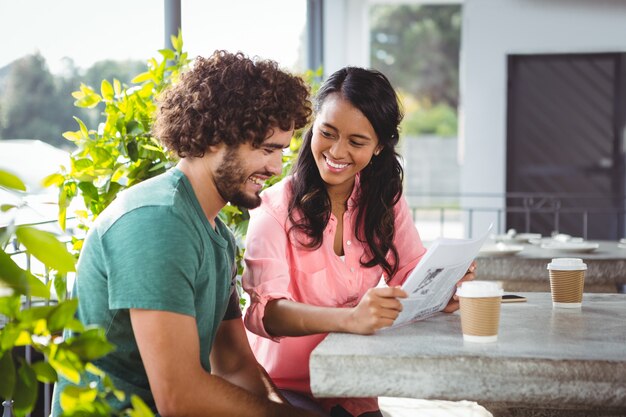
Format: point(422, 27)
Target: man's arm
point(233, 360)
point(170, 351)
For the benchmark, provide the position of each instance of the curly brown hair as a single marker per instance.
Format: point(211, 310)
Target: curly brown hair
point(231, 99)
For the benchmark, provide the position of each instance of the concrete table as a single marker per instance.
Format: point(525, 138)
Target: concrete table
point(526, 270)
point(545, 362)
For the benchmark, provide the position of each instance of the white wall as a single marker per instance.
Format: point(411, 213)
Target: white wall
point(491, 30)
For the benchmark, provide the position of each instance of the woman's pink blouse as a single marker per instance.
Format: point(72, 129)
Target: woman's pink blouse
point(276, 268)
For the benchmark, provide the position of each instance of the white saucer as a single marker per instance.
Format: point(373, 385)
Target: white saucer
point(570, 247)
point(499, 249)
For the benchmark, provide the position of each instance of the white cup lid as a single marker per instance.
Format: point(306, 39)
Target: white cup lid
point(567, 264)
point(478, 289)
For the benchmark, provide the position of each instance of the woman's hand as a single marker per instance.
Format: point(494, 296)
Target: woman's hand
point(453, 304)
point(378, 308)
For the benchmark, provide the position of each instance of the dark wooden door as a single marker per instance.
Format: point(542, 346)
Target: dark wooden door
point(565, 145)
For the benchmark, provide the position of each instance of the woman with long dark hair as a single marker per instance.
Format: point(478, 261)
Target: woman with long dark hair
point(324, 236)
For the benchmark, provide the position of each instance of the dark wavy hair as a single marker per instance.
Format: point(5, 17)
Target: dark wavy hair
point(231, 99)
point(380, 182)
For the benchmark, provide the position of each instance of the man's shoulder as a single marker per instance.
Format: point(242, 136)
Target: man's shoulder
point(146, 202)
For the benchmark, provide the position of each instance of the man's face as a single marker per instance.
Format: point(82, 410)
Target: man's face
point(244, 169)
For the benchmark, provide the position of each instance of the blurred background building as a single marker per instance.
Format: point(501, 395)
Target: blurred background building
point(514, 108)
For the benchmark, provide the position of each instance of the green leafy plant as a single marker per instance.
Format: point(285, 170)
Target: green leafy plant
point(122, 152)
point(40, 325)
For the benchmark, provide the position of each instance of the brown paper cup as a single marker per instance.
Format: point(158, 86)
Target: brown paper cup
point(567, 288)
point(480, 318)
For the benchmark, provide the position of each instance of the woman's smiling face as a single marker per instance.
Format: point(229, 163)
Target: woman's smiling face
point(343, 142)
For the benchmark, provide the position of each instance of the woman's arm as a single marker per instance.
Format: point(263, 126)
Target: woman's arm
point(378, 308)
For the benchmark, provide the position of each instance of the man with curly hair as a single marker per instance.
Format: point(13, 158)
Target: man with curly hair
point(157, 269)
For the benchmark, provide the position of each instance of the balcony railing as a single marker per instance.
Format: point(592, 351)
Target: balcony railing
point(458, 215)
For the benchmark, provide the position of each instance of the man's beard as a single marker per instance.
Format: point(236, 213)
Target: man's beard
point(230, 181)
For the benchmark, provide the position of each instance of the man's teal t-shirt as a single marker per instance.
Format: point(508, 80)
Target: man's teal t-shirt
point(152, 248)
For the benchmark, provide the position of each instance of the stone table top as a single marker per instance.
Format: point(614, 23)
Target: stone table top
point(606, 265)
point(544, 357)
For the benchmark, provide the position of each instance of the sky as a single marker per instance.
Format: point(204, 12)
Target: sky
point(91, 30)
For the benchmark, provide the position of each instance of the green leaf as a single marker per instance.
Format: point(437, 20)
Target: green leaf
point(12, 275)
point(134, 128)
point(91, 344)
point(72, 136)
point(33, 314)
point(10, 307)
point(101, 157)
point(75, 326)
point(140, 409)
point(157, 167)
point(152, 148)
point(144, 76)
point(65, 363)
point(119, 394)
point(89, 101)
point(114, 188)
point(133, 153)
point(6, 233)
point(7, 370)
point(94, 370)
point(25, 393)
point(117, 87)
point(167, 54)
point(62, 211)
point(53, 179)
point(9, 180)
point(83, 129)
point(6, 207)
point(36, 287)
point(60, 286)
point(106, 89)
point(45, 247)
point(177, 41)
point(44, 372)
point(62, 314)
point(74, 397)
point(9, 336)
point(89, 190)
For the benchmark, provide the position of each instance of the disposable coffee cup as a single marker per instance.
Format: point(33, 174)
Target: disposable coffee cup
point(567, 280)
point(480, 310)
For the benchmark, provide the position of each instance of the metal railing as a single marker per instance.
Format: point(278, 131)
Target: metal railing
point(584, 215)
